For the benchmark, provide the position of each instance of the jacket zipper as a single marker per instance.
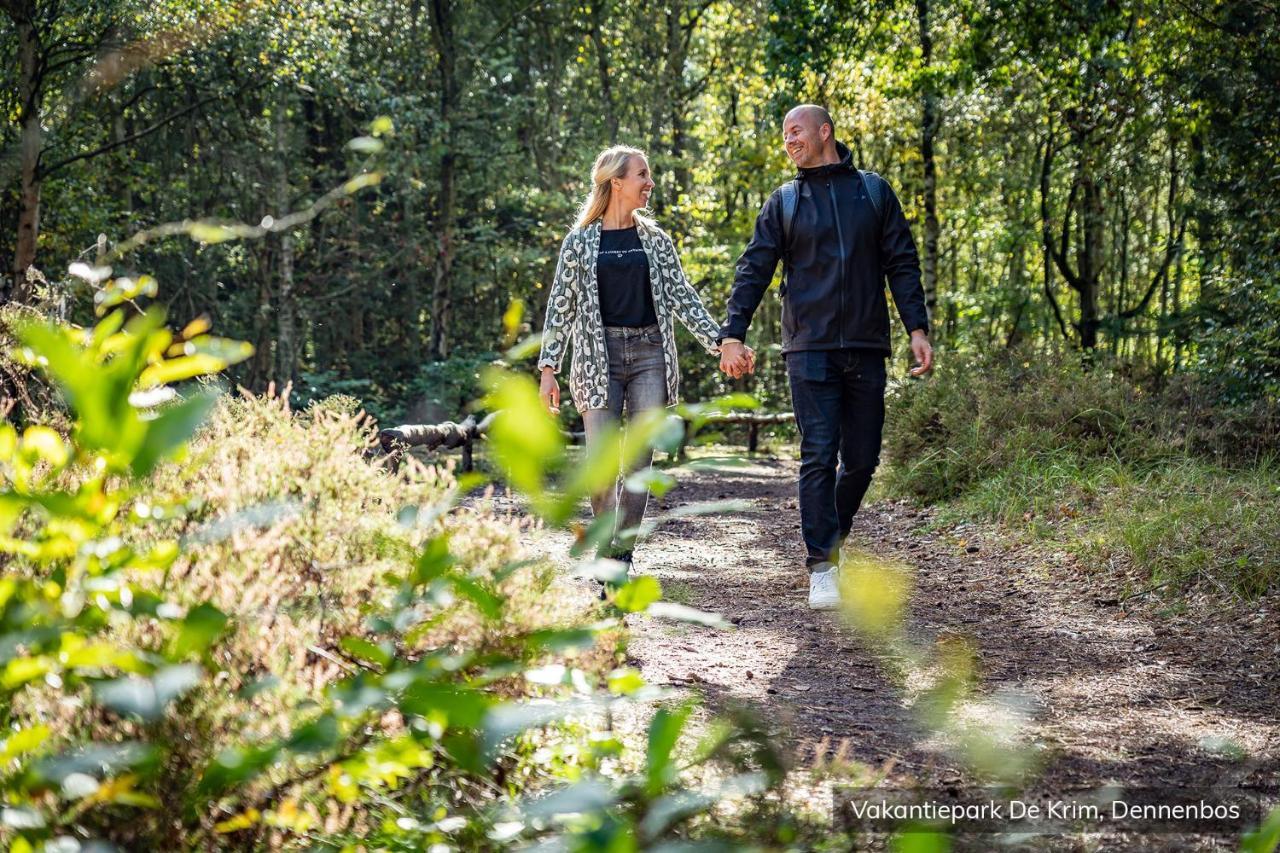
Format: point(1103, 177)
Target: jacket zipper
point(835, 209)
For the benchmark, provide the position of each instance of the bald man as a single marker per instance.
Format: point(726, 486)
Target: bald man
point(841, 235)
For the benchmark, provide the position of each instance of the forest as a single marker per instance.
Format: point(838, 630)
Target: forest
point(241, 237)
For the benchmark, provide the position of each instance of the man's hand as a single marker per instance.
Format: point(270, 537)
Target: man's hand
point(922, 351)
point(549, 391)
point(736, 359)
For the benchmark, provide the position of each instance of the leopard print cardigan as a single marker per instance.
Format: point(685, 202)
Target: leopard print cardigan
point(573, 313)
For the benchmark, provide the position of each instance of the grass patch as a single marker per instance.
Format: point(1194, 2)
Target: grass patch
point(1163, 487)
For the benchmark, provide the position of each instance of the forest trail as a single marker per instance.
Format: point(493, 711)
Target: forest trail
point(1116, 693)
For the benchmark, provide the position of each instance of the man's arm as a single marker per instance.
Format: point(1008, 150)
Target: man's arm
point(901, 265)
point(754, 270)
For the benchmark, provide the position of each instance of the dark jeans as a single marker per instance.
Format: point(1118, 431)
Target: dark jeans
point(838, 397)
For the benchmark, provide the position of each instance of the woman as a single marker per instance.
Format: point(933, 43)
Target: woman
point(618, 287)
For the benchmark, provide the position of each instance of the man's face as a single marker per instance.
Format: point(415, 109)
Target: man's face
point(803, 138)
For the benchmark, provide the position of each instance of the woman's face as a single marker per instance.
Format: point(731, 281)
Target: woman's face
point(634, 187)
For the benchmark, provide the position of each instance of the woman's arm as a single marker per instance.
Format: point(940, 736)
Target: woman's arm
point(687, 305)
point(562, 307)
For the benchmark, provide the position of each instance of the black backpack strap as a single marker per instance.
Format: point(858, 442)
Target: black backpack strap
point(875, 191)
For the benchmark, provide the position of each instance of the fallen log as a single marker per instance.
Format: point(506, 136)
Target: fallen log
point(464, 434)
point(753, 420)
point(432, 436)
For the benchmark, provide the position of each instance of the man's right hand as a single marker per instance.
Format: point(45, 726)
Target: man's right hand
point(736, 360)
point(549, 391)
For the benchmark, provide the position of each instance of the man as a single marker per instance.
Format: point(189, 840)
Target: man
point(840, 234)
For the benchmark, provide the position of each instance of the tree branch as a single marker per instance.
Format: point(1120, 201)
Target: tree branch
point(1058, 254)
point(1171, 252)
point(133, 137)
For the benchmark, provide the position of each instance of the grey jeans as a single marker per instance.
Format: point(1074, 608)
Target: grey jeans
point(637, 383)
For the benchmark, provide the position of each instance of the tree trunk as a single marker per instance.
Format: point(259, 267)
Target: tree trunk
point(30, 94)
point(598, 14)
point(675, 61)
point(1089, 255)
point(286, 346)
point(930, 119)
point(1206, 232)
point(446, 68)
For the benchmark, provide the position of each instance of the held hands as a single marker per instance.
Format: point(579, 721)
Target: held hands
point(923, 352)
point(549, 391)
point(737, 359)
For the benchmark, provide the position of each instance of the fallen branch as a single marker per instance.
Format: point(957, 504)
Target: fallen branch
point(464, 434)
point(432, 436)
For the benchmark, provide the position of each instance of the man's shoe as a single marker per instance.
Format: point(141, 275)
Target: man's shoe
point(824, 587)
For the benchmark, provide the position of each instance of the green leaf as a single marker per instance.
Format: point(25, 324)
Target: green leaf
point(433, 562)
point(664, 732)
point(625, 681)
point(525, 440)
point(589, 796)
point(200, 629)
point(1264, 839)
point(486, 601)
point(234, 766)
point(509, 719)
point(124, 289)
point(20, 671)
point(638, 594)
point(362, 649)
point(919, 839)
point(147, 698)
point(170, 430)
point(23, 742)
point(316, 736)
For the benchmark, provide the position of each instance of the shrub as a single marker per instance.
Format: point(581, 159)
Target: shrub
point(1177, 485)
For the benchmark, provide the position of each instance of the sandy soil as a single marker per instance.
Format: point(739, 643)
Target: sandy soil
point(1117, 691)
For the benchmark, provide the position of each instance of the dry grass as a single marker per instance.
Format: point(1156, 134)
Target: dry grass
point(294, 533)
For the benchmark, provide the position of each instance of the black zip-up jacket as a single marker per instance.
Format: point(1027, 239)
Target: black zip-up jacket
point(840, 255)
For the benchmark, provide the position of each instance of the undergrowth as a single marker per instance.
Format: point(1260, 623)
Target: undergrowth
point(1167, 485)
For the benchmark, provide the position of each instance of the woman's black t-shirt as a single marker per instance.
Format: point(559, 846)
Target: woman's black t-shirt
point(622, 273)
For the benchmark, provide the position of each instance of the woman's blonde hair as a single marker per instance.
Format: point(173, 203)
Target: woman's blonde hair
point(612, 163)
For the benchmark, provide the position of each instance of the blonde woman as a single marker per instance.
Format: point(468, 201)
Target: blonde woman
point(618, 288)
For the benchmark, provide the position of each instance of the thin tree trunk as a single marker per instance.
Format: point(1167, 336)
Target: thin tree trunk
point(30, 93)
point(598, 14)
point(1089, 257)
point(675, 84)
point(930, 119)
point(446, 212)
point(286, 347)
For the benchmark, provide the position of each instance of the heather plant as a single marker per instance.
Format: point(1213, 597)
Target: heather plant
point(225, 626)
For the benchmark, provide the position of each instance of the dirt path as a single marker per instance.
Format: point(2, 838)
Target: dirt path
point(1118, 693)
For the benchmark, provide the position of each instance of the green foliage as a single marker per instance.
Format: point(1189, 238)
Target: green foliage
point(78, 567)
point(1168, 482)
point(89, 612)
point(1264, 839)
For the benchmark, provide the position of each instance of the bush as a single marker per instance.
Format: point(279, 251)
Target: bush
point(260, 638)
point(1181, 487)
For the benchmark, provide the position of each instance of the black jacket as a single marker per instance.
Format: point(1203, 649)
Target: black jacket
point(840, 255)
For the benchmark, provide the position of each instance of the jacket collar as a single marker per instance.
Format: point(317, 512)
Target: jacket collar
point(845, 165)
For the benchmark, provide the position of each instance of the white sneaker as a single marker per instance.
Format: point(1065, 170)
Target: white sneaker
point(824, 588)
